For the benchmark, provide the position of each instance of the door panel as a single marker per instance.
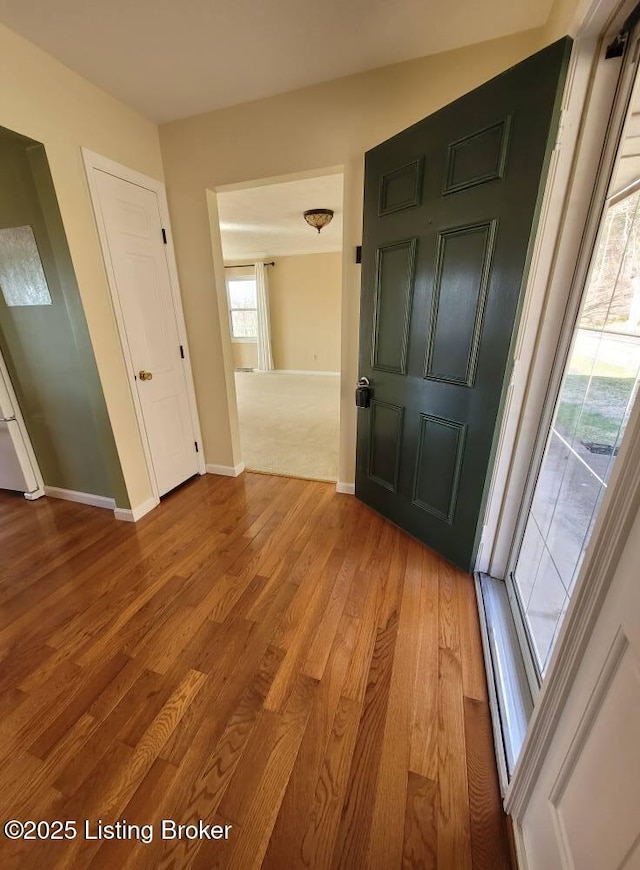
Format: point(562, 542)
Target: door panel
point(463, 262)
point(134, 234)
point(394, 290)
point(438, 463)
point(385, 441)
point(450, 208)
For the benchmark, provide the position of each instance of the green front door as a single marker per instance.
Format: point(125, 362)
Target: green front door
point(450, 210)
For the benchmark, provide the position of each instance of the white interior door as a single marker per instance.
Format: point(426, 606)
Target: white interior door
point(16, 471)
point(134, 237)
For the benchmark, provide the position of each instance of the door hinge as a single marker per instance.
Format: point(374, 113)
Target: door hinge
point(164, 235)
point(182, 351)
point(561, 129)
point(617, 47)
point(197, 448)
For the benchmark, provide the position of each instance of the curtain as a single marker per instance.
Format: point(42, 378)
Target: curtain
point(265, 359)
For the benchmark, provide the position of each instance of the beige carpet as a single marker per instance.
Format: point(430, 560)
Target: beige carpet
point(289, 423)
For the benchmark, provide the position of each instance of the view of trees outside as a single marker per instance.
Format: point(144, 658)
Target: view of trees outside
point(243, 307)
point(597, 395)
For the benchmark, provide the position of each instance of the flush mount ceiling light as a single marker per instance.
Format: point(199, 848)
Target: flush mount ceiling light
point(318, 217)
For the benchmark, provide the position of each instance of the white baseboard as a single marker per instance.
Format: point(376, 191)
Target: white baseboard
point(346, 488)
point(300, 372)
point(226, 470)
point(289, 372)
point(132, 515)
point(100, 501)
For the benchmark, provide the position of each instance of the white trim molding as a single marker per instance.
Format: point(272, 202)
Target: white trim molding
point(225, 470)
point(346, 488)
point(24, 448)
point(99, 501)
point(301, 372)
point(619, 509)
point(35, 495)
point(132, 515)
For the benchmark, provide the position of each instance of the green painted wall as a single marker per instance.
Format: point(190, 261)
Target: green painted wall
point(47, 347)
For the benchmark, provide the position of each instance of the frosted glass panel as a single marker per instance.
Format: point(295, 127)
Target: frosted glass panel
point(22, 279)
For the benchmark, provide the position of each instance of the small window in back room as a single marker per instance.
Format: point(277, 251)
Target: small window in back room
point(243, 308)
point(22, 278)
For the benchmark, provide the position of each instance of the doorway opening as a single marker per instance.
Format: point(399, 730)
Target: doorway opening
point(283, 282)
point(55, 435)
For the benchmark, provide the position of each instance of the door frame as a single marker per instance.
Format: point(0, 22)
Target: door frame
point(97, 163)
point(564, 216)
point(28, 456)
point(223, 310)
point(592, 88)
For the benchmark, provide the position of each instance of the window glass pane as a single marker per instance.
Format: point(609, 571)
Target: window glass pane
point(242, 293)
point(22, 279)
point(245, 324)
point(546, 607)
point(549, 482)
point(572, 517)
point(595, 401)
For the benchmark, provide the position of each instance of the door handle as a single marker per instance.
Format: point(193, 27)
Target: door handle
point(363, 393)
point(7, 419)
point(145, 376)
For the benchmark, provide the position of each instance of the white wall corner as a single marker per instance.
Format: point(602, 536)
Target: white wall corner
point(100, 501)
point(346, 488)
point(132, 515)
point(225, 470)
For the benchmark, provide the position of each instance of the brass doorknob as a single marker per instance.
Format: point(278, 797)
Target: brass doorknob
point(145, 376)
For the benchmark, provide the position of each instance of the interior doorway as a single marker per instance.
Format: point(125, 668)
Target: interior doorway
point(55, 434)
point(283, 280)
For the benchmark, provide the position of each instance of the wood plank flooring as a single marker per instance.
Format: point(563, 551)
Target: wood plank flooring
point(258, 652)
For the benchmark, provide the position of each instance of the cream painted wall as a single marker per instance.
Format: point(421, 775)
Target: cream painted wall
point(561, 20)
point(304, 301)
point(245, 354)
point(270, 138)
point(43, 99)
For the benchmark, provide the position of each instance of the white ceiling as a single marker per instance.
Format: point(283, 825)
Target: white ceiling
point(174, 58)
point(267, 221)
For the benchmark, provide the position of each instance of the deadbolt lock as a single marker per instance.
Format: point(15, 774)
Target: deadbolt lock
point(145, 376)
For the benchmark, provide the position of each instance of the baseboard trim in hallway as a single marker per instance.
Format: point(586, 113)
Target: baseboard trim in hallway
point(225, 470)
point(100, 501)
point(346, 488)
point(132, 515)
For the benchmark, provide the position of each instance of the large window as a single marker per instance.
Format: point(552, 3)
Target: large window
point(592, 410)
point(243, 308)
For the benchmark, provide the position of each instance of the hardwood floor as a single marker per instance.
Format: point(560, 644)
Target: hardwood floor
point(257, 652)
